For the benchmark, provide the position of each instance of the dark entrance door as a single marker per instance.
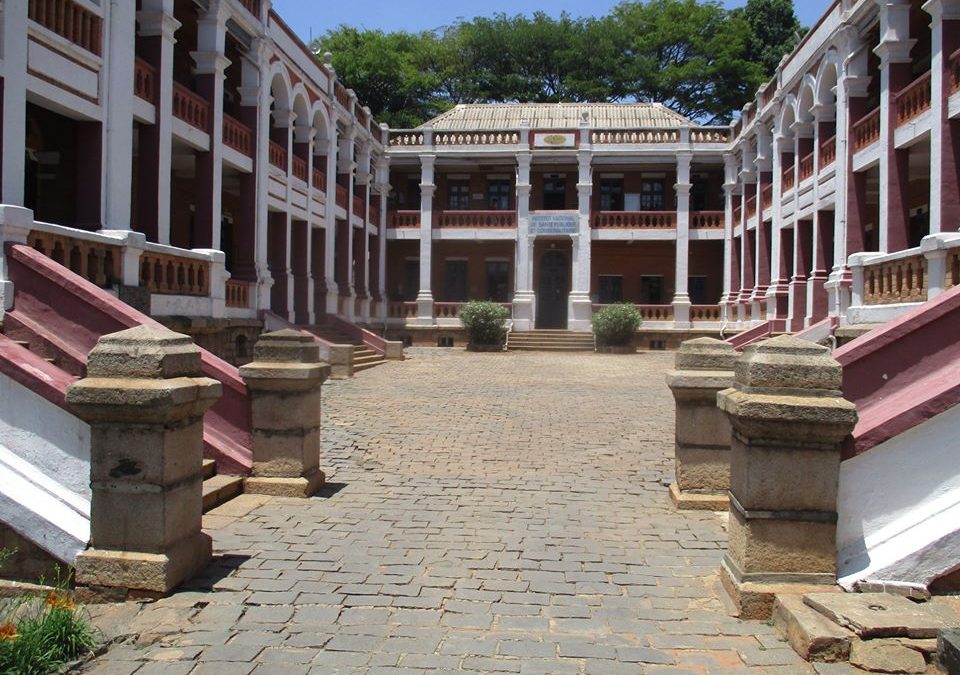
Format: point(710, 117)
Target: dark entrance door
point(552, 290)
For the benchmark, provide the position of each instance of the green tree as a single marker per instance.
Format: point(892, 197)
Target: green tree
point(774, 31)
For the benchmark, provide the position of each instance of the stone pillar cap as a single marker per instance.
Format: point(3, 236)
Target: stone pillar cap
point(786, 364)
point(144, 352)
point(286, 346)
point(705, 354)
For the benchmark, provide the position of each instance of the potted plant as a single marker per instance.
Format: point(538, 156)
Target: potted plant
point(485, 324)
point(615, 328)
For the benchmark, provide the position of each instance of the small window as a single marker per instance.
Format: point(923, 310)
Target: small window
point(651, 290)
point(651, 194)
point(611, 288)
point(554, 193)
point(458, 195)
point(611, 194)
point(455, 281)
point(498, 195)
point(498, 280)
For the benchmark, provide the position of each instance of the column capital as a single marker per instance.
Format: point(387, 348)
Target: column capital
point(856, 86)
point(210, 63)
point(249, 96)
point(154, 24)
point(802, 129)
point(284, 118)
point(946, 10)
point(303, 133)
point(683, 189)
point(894, 51)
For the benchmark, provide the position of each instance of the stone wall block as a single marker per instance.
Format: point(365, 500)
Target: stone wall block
point(285, 381)
point(703, 367)
point(788, 421)
point(144, 399)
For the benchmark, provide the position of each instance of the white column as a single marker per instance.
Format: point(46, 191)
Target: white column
point(777, 291)
point(383, 190)
point(681, 297)
point(118, 127)
point(14, 27)
point(309, 136)
point(346, 164)
point(940, 11)
point(427, 188)
point(262, 160)
point(524, 299)
point(894, 48)
point(580, 314)
point(210, 61)
point(156, 20)
point(330, 224)
point(728, 299)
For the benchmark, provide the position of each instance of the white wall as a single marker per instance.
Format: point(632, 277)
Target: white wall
point(899, 497)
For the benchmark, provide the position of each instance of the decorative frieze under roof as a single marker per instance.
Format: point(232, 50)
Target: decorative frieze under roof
point(557, 116)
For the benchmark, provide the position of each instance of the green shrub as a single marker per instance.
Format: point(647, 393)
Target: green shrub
point(39, 633)
point(615, 325)
point(485, 322)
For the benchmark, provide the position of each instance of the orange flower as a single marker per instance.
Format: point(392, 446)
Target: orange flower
point(8, 631)
point(57, 601)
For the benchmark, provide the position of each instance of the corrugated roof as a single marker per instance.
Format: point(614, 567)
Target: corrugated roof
point(506, 116)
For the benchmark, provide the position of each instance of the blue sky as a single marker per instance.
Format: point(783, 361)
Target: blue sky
point(308, 17)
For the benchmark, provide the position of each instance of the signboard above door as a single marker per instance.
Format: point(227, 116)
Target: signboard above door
point(552, 139)
point(552, 224)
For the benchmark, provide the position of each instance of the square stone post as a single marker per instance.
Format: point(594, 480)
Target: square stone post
point(144, 397)
point(284, 381)
point(703, 367)
point(788, 419)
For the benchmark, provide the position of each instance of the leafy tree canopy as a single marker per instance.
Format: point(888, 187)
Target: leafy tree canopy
point(696, 57)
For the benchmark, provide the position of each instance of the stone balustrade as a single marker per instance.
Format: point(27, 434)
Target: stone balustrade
point(299, 168)
point(632, 136)
point(404, 219)
point(914, 99)
point(622, 220)
point(278, 155)
point(402, 310)
point(96, 258)
point(190, 107)
point(238, 293)
point(71, 21)
point(828, 152)
point(789, 178)
point(866, 132)
point(805, 169)
point(706, 220)
point(479, 219)
point(237, 136)
point(144, 81)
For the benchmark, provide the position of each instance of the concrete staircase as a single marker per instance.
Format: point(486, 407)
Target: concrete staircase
point(550, 341)
point(218, 488)
point(363, 356)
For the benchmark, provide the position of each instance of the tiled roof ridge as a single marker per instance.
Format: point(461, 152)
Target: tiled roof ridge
point(466, 116)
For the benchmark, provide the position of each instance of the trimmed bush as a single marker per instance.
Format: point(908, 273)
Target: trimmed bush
point(484, 322)
point(615, 325)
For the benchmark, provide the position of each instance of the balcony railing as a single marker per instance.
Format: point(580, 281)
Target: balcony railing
point(319, 180)
point(618, 136)
point(300, 168)
point(359, 207)
point(806, 167)
point(649, 312)
point(190, 107)
point(789, 178)
point(451, 310)
point(737, 215)
point(629, 220)
point(237, 136)
point(479, 219)
point(401, 310)
point(705, 313)
point(278, 155)
point(914, 99)
point(85, 254)
point(144, 80)
point(238, 293)
point(706, 220)
point(70, 21)
point(955, 72)
point(342, 96)
point(828, 152)
point(896, 281)
point(404, 219)
point(866, 132)
point(476, 138)
point(174, 274)
point(342, 196)
point(766, 197)
point(751, 207)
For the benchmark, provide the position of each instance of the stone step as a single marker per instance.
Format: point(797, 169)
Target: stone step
point(366, 358)
point(219, 489)
point(209, 468)
point(549, 348)
point(357, 367)
point(812, 635)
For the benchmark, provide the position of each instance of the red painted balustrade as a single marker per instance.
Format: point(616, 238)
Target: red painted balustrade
point(479, 219)
point(278, 155)
point(828, 152)
point(300, 168)
point(237, 135)
point(238, 293)
point(97, 262)
point(168, 274)
point(706, 220)
point(144, 81)
point(766, 197)
point(914, 99)
point(805, 169)
point(401, 310)
point(404, 219)
point(751, 206)
point(342, 196)
point(627, 220)
point(789, 178)
point(69, 20)
point(896, 281)
point(319, 180)
point(190, 107)
point(866, 132)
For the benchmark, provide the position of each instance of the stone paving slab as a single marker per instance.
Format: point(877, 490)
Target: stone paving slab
point(502, 512)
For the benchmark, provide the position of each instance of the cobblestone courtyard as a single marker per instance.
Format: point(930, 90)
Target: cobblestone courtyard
point(485, 513)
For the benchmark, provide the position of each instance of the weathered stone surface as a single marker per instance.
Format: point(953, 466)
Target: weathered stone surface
point(144, 352)
point(812, 635)
point(705, 354)
point(876, 615)
point(788, 362)
point(948, 649)
point(886, 656)
point(286, 346)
